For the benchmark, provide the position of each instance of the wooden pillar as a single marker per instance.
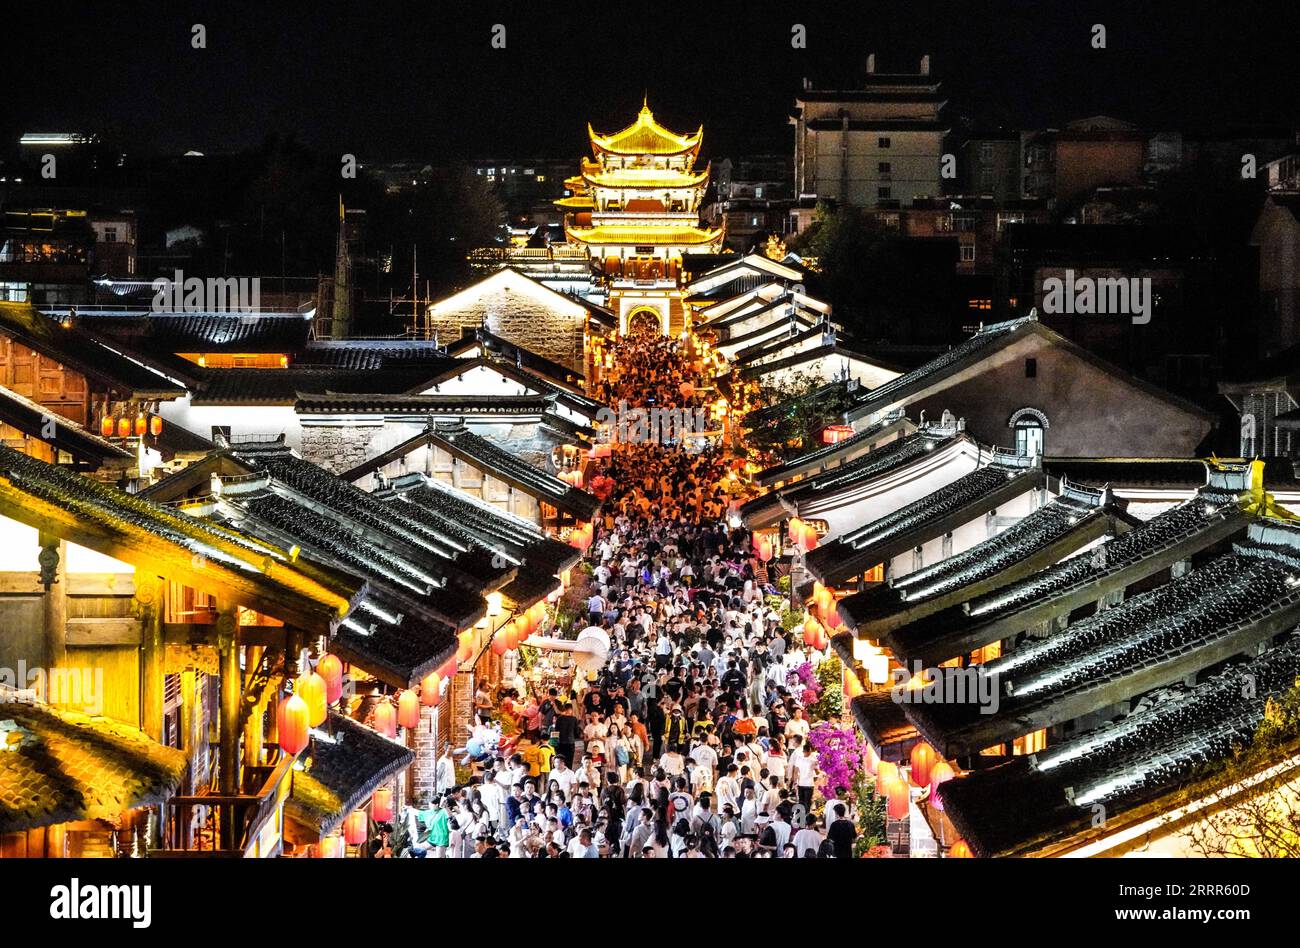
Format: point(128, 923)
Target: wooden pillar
point(190, 718)
point(228, 716)
point(53, 561)
point(254, 726)
point(149, 606)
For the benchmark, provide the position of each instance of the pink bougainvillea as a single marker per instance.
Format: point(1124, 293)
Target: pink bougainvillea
point(808, 678)
point(841, 754)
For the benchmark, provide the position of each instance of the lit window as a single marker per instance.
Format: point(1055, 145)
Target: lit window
point(1029, 426)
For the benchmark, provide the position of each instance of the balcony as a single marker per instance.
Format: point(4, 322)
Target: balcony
point(231, 826)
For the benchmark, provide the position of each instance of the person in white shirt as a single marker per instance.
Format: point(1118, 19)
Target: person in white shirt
point(803, 773)
point(728, 789)
point(748, 811)
point(581, 846)
point(808, 838)
point(797, 726)
point(673, 763)
point(494, 800)
point(782, 830)
point(564, 776)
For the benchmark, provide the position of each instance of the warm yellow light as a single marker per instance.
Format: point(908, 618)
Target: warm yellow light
point(494, 604)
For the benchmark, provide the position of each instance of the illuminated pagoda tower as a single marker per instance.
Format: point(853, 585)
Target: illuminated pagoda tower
point(636, 210)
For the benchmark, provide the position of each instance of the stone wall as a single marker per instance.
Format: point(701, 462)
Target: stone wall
point(528, 319)
point(337, 448)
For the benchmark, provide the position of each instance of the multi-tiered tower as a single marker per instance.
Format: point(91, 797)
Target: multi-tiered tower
point(635, 207)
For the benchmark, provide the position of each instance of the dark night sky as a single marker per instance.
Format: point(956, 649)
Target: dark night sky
point(419, 79)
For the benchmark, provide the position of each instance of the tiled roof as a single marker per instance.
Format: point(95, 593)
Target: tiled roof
point(1178, 533)
point(467, 405)
point(83, 351)
point(138, 528)
point(875, 463)
point(374, 354)
point(934, 514)
point(284, 386)
point(341, 774)
point(483, 454)
point(1225, 607)
point(741, 284)
point(1053, 531)
point(63, 766)
point(645, 136)
point(1035, 804)
point(30, 418)
point(827, 452)
point(541, 557)
point(203, 332)
point(956, 358)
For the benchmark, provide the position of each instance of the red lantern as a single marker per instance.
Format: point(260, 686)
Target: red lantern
point(141, 425)
point(312, 689)
point(825, 601)
point(834, 434)
point(331, 669)
point(960, 851)
point(886, 773)
point(124, 427)
point(291, 722)
point(809, 538)
point(356, 828)
point(501, 642)
point(331, 847)
point(811, 631)
point(449, 669)
point(465, 650)
point(833, 620)
point(765, 549)
point(386, 719)
point(796, 530)
point(106, 425)
point(408, 709)
point(897, 799)
point(155, 425)
point(923, 760)
point(431, 690)
point(940, 774)
point(850, 685)
point(381, 807)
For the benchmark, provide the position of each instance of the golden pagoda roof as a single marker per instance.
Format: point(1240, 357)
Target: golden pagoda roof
point(593, 174)
point(645, 136)
point(579, 201)
point(668, 236)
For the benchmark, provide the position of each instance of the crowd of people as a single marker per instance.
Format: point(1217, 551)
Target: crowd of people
point(690, 741)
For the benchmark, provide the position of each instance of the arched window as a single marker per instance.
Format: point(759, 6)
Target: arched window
point(1029, 425)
